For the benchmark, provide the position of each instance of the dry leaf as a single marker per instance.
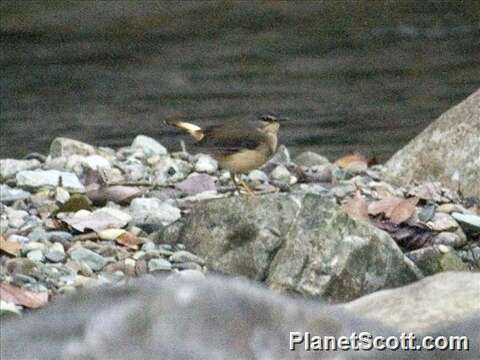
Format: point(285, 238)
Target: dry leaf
point(10, 247)
point(357, 207)
point(396, 209)
point(21, 296)
point(354, 159)
point(129, 240)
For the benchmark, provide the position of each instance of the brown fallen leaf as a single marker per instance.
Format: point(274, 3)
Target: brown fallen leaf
point(357, 207)
point(21, 296)
point(129, 240)
point(354, 159)
point(10, 247)
point(396, 209)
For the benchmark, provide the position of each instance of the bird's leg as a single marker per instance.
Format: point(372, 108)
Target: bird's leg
point(247, 188)
point(244, 185)
point(232, 176)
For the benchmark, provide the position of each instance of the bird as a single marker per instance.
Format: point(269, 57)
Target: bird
point(237, 147)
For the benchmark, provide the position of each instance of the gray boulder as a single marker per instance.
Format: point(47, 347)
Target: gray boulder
point(447, 150)
point(304, 244)
point(430, 303)
point(233, 319)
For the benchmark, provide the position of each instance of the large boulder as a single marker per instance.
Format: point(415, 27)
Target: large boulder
point(224, 318)
point(448, 150)
point(427, 304)
point(297, 243)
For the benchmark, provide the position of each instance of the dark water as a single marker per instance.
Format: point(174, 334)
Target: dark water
point(350, 75)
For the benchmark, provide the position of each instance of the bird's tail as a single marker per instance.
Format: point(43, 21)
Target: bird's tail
point(195, 131)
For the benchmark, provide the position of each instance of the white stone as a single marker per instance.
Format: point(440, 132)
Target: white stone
point(36, 179)
point(206, 164)
point(96, 162)
point(149, 146)
point(150, 210)
point(281, 173)
point(10, 167)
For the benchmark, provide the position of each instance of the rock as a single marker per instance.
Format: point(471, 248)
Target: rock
point(206, 164)
point(258, 177)
point(61, 195)
point(149, 146)
point(281, 173)
point(96, 162)
point(32, 246)
point(23, 266)
point(9, 195)
point(56, 253)
point(317, 173)
point(64, 147)
point(148, 210)
point(185, 256)
point(434, 259)
point(468, 221)
point(159, 265)
point(427, 305)
point(442, 222)
point(187, 275)
point(10, 167)
point(450, 208)
point(168, 171)
point(16, 218)
point(61, 237)
point(447, 150)
point(123, 217)
point(90, 258)
point(234, 319)
point(196, 183)
point(310, 159)
point(36, 179)
point(35, 255)
point(451, 239)
point(304, 244)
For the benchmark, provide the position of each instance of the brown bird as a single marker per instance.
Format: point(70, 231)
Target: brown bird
point(238, 147)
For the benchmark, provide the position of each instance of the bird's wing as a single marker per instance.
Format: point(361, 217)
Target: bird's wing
point(230, 139)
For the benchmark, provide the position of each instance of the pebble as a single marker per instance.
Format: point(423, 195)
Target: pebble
point(61, 237)
point(442, 222)
point(206, 164)
point(281, 173)
point(88, 257)
point(56, 253)
point(183, 256)
point(16, 218)
point(450, 239)
point(149, 146)
point(310, 158)
point(168, 171)
point(9, 195)
point(148, 210)
point(159, 265)
point(32, 246)
point(35, 255)
point(130, 265)
point(96, 162)
point(258, 177)
point(468, 220)
point(450, 208)
point(64, 147)
point(61, 195)
point(36, 179)
point(22, 240)
point(10, 167)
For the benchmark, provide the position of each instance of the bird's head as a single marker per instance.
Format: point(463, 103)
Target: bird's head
point(270, 123)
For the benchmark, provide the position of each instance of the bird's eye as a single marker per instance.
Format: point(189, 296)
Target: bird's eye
point(171, 171)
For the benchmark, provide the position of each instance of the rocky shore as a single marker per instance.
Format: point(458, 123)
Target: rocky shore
point(85, 216)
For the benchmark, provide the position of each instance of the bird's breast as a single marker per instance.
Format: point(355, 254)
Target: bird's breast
point(244, 160)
